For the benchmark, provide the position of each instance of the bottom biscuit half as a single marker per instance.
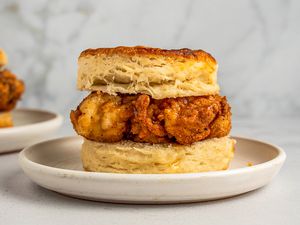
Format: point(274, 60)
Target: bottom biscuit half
point(5, 120)
point(142, 158)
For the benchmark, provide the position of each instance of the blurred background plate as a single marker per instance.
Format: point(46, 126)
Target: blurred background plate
point(30, 126)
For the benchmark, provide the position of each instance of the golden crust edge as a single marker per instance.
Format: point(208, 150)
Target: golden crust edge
point(184, 53)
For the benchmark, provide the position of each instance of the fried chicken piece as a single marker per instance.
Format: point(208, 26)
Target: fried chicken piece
point(143, 119)
point(147, 125)
point(189, 119)
point(102, 117)
point(221, 126)
point(11, 90)
point(186, 119)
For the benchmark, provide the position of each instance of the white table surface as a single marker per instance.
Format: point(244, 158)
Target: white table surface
point(23, 202)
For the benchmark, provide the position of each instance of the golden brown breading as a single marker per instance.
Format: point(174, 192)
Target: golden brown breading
point(222, 124)
point(11, 90)
point(105, 118)
point(189, 119)
point(147, 123)
point(102, 117)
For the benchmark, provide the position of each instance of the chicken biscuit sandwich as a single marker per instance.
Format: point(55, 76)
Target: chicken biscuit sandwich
point(11, 90)
point(152, 111)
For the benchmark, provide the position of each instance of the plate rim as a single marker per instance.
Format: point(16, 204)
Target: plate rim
point(57, 119)
point(23, 160)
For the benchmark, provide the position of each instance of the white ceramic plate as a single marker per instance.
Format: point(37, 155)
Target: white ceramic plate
point(56, 165)
point(30, 126)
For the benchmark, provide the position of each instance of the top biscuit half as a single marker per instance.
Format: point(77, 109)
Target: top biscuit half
point(156, 72)
point(3, 58)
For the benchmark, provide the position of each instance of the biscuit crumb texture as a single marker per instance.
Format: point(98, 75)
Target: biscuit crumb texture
point(156, 72)
point(142, 158)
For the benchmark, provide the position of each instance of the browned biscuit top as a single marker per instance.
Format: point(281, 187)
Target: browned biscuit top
point(154, 52)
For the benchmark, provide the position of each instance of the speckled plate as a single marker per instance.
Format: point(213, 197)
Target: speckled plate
point(56, 165)
point(30, 126)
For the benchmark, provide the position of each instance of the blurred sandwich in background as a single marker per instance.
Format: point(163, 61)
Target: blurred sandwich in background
point(11, 90)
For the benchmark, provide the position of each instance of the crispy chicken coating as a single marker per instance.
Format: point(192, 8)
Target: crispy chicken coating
point(147, 125)
point(11, 90)
point(102, 117)
point(106, 118)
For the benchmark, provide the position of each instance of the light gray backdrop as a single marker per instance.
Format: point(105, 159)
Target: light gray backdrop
point(257, 45)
